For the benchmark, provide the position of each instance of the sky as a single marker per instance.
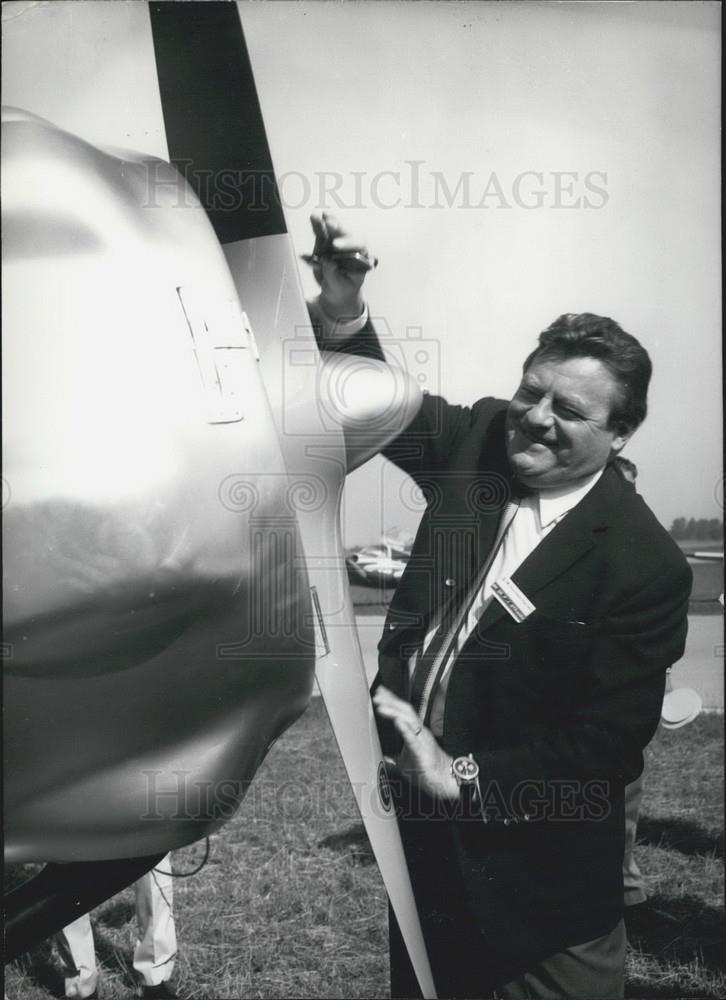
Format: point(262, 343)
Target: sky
point(508, 162)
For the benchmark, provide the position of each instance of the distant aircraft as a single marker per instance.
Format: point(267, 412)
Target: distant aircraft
point(173, 563)
point(706, 556)
point(379, 565)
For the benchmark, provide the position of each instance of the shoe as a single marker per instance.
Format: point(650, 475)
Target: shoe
point(162, 991)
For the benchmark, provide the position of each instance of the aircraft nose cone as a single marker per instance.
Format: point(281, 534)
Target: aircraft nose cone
point(157, 621)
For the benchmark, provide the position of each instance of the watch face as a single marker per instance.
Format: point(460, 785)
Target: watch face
point(465, 769)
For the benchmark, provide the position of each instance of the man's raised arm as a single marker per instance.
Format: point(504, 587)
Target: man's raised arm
point(373, 401)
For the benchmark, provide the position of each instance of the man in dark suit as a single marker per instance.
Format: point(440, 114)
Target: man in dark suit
point(522, 666)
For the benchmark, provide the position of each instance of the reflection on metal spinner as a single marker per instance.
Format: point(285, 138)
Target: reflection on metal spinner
point(148, 526)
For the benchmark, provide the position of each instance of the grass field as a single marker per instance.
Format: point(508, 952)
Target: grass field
point(290, 903)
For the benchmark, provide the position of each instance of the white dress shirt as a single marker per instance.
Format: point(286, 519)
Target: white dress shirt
point(534, 518)
point(336, 330)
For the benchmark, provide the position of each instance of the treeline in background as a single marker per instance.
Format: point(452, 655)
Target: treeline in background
point(697, 529)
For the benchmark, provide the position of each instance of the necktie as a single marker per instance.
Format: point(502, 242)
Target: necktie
point(432, 663)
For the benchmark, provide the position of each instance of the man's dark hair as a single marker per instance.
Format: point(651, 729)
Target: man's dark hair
point(585, 335)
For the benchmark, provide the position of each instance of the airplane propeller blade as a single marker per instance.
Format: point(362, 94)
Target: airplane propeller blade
point(214, 122)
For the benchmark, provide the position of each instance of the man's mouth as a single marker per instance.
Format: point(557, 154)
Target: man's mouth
point(529, 440)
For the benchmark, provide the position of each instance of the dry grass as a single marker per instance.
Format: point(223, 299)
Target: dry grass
point(291, 904)
point(678, 938)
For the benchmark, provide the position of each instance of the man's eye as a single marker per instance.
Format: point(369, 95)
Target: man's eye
point(568, 414)
point(527, 394)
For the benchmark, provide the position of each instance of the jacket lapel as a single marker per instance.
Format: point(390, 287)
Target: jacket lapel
point(492, 489)
point(569, 541)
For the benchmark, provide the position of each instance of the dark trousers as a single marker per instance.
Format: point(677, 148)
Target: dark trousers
point(464, 967)
point(462, 962)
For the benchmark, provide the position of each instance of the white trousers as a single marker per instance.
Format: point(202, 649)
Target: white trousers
point(155, 948)
point(633, 884)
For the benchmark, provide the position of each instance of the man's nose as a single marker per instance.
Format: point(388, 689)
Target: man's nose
point(540, 415)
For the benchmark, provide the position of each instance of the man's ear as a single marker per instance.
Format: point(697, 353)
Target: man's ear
point(622, 437)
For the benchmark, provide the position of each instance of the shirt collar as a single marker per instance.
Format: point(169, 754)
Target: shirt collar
point(554, 504)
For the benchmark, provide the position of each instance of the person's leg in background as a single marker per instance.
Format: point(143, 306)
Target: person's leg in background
point(78, 956)
point(155, 949)
point(633, 886)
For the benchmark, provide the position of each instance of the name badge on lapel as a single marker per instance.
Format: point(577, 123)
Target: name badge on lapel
point(513, 600)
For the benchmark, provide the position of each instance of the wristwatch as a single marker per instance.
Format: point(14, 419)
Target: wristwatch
point(466, 772)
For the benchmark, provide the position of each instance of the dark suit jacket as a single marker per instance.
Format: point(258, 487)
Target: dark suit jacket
point(556, 709)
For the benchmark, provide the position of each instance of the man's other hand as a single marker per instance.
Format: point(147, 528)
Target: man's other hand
point(422, 761)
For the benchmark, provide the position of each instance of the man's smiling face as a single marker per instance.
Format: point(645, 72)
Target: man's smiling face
point(558, 423)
